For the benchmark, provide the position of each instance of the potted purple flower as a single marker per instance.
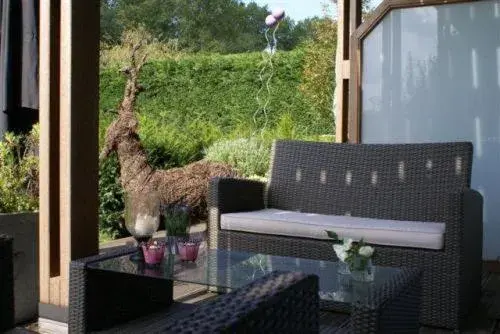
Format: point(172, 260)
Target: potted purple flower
point(177, 221)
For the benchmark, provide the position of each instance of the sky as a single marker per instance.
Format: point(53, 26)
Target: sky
point(295, 9)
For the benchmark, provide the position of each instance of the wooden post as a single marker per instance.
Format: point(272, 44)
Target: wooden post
point(49, 148)
point(79, 117)
point(69, 82)
point(349, 18)
point(341, 56)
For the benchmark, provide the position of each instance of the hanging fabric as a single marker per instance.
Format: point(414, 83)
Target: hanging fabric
point(18, 65)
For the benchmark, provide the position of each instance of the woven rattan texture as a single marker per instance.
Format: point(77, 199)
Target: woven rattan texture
point(310, 176)
point(101, 299)
point(277, 303)
point(420, 182)
point(394, 308)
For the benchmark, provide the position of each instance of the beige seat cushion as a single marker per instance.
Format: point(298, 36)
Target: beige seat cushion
point(427, 235)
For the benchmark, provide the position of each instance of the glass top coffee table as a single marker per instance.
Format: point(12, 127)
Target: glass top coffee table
point(233, 269)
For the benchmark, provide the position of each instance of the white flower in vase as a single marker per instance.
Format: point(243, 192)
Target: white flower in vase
point(340, 252)
point(348, 244)
point(366, 251)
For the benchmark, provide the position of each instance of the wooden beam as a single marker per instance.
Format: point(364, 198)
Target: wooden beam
point(346, 69)
point(79, 94)
point(349, 19)
point(341, 81)
point(354, 19)
point(354, 113)
point(49, 146)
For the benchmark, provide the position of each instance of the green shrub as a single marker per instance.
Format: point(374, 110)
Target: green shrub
point(19, 172)
point(318, 76)
point(177, 220)
point(111, 205)
point(171, 146)
point(250, 156)
point(219, 90)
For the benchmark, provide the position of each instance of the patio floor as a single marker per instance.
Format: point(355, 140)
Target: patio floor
point(485, 319)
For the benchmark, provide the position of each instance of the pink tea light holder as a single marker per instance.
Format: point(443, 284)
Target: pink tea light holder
point(153, 252)
point(188, 250)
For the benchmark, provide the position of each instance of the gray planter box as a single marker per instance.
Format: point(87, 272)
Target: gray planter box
point(23, 227)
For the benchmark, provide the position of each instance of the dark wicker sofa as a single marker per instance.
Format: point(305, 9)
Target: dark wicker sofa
point(414, 182)
point(109, 302)
point(6, 283)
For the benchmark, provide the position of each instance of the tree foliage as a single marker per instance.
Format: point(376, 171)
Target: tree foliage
point(318, 79)
point(19, 172)
point(224, 26)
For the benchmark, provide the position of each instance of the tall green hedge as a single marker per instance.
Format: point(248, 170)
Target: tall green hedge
point(201, 98)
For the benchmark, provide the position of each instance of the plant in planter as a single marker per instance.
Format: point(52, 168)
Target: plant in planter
point(177, 219)
point(19, 217)
point(355, 257)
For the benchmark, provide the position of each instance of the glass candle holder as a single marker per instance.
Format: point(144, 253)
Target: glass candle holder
point(188, 251)
point(153, 252)
point(142, 218)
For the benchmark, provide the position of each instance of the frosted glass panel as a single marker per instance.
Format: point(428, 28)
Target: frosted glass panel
point(433, 74)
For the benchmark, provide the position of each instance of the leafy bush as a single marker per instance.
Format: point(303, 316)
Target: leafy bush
point(250, 156)
point(19, 171)
point(170, 146)
point(111, 205)
point(177, 220)
point(318, 79)
point(218, 90)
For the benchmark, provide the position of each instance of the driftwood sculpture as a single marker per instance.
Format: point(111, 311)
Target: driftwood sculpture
point(188, 184)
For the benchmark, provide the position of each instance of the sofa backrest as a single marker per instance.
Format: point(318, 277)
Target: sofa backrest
point(366, 180)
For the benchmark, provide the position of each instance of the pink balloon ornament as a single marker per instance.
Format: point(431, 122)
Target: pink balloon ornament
point(278, 13)
point(271, 21)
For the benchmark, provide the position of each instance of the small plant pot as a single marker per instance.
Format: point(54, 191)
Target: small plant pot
point(153, 253)
point(188, 251)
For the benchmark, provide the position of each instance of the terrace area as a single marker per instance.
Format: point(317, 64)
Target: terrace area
point(331, 174)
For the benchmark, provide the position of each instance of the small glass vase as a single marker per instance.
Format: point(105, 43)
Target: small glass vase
point(365, 274)
point(173, 243)
point(343, 268)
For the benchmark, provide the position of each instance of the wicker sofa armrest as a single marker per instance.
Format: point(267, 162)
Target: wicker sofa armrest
point(472, 235)
point(471, 248)
point(464, 221)
point(231, 195)
point(6, 283)
point(101, 299)
point(394, 308)
point(281, 302)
